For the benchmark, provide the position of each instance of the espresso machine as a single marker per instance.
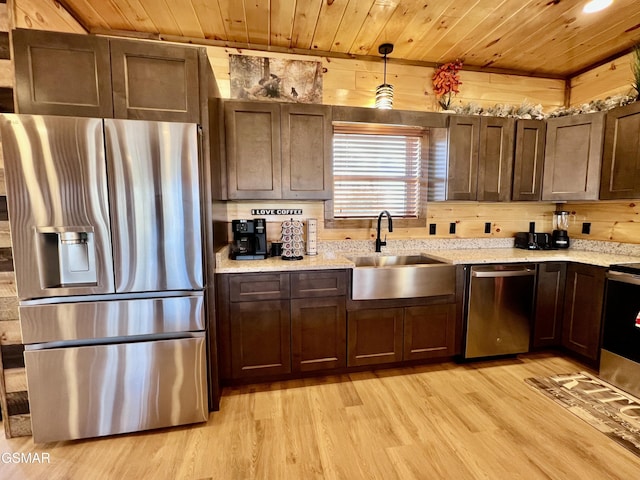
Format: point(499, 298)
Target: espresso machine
point(249, 239)
point(560, 235)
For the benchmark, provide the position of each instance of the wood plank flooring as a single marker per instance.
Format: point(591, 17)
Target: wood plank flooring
point(442, 421)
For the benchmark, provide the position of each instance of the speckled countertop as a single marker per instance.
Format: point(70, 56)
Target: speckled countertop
point(322, 261)
point(333, 255)
point(512, 255)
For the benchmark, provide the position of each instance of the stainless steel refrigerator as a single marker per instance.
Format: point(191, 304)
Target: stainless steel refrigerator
point(105, 225)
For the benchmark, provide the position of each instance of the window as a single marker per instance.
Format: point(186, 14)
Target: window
point(377, 167)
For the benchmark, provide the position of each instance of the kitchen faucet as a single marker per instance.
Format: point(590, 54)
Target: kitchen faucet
point(379, 242)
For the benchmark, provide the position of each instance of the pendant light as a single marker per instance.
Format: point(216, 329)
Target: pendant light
point(384, 92)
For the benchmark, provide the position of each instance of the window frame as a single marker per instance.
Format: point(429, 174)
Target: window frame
point(399, 222)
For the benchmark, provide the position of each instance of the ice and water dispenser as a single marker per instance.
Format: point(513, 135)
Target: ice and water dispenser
point(66, 256)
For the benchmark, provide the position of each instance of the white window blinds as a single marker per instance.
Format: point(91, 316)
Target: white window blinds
point(375, 168)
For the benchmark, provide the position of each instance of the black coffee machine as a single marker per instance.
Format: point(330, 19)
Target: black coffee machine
point(249, 239)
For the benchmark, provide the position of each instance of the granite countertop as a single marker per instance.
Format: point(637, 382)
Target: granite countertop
point(322, 261)
point(512, 255)
point(339, 259)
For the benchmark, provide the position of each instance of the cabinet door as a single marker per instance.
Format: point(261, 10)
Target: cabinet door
point(528, 160)
point(429, 331)
point(462, 176)
point(260, 338)
point(573, 154)
point(254, 167)
point(583, 309)
point(154, 81)
point(62, 74)
point(319, 333)
point(306, 151)
point(621, 157)
point(495, 162)
point(374, 336)
point(547, 329)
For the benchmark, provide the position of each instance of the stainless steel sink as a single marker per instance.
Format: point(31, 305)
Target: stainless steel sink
point(392, 260)
point(400, 276)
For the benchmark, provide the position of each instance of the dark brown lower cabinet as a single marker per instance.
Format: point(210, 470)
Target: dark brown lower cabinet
point(275, 324)
point(280, 324)
point(260, 338)
point(386, 335)
point(582, 321)
point(429, 331)
point(547, 330)
point(319, 333)
point(375, 336)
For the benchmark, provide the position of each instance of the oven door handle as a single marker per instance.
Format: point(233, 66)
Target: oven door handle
point(624, 277)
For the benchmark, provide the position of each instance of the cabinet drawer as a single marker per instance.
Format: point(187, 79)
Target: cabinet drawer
point(318, 284)
point(263, 286)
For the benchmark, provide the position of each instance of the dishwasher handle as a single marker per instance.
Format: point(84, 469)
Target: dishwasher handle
point(524, 272)
point(623, 277)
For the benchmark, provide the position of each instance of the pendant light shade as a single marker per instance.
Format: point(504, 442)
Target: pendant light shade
point(384, 92)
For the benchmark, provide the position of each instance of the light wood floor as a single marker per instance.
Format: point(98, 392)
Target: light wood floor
point(446, 421)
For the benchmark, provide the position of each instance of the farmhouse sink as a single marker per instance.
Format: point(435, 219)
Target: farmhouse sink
point(400, 276)
point(392, 260)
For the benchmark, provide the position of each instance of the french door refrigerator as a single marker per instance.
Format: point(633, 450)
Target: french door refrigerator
point(106, 234)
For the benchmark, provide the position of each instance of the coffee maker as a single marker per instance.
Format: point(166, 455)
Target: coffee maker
point(249, 239)
point(560, 235)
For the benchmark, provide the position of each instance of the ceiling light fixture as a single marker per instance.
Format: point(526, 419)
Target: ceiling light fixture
point(596, 5)
point(384, 92)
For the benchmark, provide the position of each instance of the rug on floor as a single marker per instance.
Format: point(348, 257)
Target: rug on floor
point(607, 408)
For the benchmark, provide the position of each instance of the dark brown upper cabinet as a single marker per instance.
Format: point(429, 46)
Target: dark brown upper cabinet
point(528, 160)
point(254, 167)
point(621, 156)
point(62, 74)
point(278, 151)
point(462, 168)
point(495, 164)
point(85, 75)
point(153, 81)
point(480, 159)
point(573, 155)
point(307, 142)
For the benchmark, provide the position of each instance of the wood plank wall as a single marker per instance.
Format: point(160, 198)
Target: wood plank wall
point(615, 221)
point(469, 217)
point(14, 403)
point(612, 78)
point(353, 83)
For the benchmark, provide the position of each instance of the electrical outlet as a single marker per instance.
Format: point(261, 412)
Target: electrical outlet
point(432, 229)
point(586, 228)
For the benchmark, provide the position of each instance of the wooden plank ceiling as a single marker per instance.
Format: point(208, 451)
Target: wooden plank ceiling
point(534, 37)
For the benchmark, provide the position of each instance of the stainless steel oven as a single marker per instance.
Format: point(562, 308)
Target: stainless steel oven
point(620, 355)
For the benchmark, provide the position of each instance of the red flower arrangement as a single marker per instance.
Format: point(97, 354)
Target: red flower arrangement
point(446, 81)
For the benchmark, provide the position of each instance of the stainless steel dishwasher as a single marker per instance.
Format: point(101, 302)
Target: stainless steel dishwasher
point(499, 309)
